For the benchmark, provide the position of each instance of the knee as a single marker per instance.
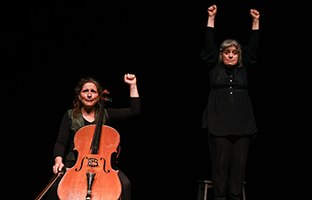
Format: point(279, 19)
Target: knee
point(126, 184)
point(220, 166)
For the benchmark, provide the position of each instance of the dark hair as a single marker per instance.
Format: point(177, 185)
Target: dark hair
point(77, 103)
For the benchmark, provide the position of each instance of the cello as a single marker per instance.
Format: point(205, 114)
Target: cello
point(92, 177)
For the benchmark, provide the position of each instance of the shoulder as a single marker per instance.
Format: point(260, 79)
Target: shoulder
point(70, 115)
point(216, 68)
point(70, 112)
point(242, 70)
point(65, 120)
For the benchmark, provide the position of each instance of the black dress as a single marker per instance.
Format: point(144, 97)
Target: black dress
point(229, 110)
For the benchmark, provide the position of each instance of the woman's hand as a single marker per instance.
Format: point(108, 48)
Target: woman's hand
point(58, 165)
point(131, 80)
point(255, 15)
point(212, 11)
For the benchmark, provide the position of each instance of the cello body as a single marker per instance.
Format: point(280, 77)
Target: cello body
point(92, 177)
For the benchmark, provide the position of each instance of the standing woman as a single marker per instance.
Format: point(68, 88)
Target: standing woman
point(229, 116)
point(85, 111)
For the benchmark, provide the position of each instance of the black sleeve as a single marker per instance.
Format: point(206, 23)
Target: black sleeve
point(63, 137)
point(250, 51)
point(210, 53)
point(118, 115)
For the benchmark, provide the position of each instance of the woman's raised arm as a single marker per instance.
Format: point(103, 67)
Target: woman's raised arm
point(255, 15)
point(212, 11)
point(131, 80)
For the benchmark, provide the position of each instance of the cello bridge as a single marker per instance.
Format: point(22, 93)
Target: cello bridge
point(93, 162)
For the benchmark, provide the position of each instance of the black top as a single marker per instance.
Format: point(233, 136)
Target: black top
point(229, 110)
point(114, 115)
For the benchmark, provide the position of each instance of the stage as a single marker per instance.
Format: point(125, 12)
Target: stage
point(49, 46)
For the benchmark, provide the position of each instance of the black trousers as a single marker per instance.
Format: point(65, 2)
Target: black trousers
point(228, 158)
point(125, 184)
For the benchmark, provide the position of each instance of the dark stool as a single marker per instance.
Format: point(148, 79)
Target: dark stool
point(204, 193)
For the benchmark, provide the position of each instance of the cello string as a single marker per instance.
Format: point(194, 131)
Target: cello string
point(98, 129)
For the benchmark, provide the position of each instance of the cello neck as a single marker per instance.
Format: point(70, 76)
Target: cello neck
point(98, 129)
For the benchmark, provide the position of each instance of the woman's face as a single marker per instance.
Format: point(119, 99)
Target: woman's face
point(230, 56)
point(89, 95)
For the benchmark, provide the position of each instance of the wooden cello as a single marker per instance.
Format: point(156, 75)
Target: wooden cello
point(92, 177)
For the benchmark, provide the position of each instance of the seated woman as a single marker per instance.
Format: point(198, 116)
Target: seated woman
point(85, 111)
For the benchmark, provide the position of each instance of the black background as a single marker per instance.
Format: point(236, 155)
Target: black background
point(47, 46)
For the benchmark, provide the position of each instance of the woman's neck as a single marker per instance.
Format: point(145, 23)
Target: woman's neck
point(88, 114)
